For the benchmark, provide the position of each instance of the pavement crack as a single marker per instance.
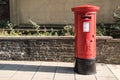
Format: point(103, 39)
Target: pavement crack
point(36, 71)
point(16, 71)
point(55, 71)
point(112, 73)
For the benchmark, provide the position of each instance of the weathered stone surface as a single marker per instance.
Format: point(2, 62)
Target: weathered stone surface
point(108, 51)
point(55, 49)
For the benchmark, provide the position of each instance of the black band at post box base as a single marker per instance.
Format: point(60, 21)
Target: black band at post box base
point(85, 66)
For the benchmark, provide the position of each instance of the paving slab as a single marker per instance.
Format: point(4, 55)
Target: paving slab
point(46, 71)
point(8, 70)
point(26, 72)
point(83, 77)
point(40, 70)
point(106, 78)
point(115, 69)
point(64, 71)
point(103, 71)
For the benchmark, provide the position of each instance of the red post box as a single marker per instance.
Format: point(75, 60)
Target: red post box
point(85, 38)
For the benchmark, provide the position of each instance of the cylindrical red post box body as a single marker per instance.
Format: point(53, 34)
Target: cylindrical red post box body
point(85, 38)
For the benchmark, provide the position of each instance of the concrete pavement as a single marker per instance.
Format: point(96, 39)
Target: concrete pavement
point(40, 70)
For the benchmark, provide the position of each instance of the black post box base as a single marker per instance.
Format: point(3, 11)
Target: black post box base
point(85, 66)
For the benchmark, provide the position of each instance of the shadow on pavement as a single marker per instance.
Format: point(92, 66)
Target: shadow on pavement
point(38, 68)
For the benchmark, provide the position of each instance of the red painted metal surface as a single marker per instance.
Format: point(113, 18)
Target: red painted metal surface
point(85, 31)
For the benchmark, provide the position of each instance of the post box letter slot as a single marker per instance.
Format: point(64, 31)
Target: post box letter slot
point(86, 17)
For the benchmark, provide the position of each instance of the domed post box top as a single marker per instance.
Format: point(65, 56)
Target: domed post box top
point(85, 8)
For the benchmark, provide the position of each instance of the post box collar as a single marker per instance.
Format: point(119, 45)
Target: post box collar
point(85, 8)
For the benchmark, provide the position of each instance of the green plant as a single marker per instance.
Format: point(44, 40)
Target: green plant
point(68, 30)
point(115, 30)
point(4, 33)
point(51, 32)
point(3, 24)
point(116, 14)
point(101, 30)
point(108, 30)
point(12, 30)
point(36, 26)
point(45, 32)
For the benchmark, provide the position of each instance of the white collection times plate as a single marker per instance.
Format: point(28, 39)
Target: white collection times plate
point(86, 26)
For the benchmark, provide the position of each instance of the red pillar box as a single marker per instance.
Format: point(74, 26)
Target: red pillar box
point(85, 38)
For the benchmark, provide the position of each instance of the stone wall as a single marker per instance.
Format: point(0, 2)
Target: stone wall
point(37, 48)
point(108, 50)
point(55, 49)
